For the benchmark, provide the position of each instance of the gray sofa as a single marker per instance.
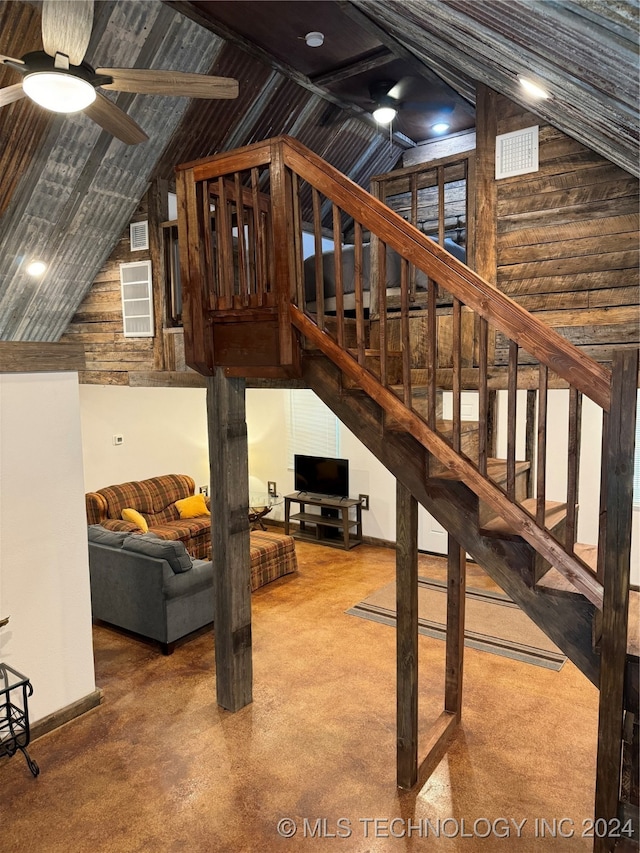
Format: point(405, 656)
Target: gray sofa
point(148, 585)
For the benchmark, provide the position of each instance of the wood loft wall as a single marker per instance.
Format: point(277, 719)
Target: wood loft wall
point(567, 241)
point(112, 359)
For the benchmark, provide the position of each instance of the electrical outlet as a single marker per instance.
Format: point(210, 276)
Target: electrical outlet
point(271, 488)
point(364, 501)
point(118, 439)
point(204, 490)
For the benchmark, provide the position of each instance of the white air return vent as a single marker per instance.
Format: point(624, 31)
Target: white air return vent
point(517, 152)
point(139, 236)
point(137, 299)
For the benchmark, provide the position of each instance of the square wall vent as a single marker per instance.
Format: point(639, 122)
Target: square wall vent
point(517, 152)
point(139, 235)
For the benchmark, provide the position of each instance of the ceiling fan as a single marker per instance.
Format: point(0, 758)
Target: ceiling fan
point(60, 80)
point(391, 96)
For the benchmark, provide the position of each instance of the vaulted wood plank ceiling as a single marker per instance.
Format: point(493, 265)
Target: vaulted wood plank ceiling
point(68, 189)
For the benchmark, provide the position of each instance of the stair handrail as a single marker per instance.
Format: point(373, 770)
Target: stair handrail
point(288, 161)
point(547, 345)
point(506, 315)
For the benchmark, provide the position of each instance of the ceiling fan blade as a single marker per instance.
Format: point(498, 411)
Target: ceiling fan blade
point(402, 89)
point(148, 81)
point(66, 27)
point(11, 93)
point(111, 118)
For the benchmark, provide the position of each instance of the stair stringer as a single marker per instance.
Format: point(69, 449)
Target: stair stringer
point(567, 621)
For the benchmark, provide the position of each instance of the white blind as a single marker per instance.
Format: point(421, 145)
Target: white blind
point(137, 299)
point(312, 427)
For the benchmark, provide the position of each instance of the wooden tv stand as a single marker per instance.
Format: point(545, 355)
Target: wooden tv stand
point(318, 526)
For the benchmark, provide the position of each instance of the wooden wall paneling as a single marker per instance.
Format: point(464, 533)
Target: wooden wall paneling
point(98, 323)
point(567, 240)
point(37, 357)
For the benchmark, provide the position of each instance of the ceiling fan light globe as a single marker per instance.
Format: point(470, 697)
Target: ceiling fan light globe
point(384, 115)
point(59, 92)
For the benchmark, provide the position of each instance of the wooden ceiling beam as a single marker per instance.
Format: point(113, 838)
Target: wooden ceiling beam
point(436, 74)
point(379, 58)
point(352, 110)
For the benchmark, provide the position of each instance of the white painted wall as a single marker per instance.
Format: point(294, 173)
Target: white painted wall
point(164, 432)
point(44, 573)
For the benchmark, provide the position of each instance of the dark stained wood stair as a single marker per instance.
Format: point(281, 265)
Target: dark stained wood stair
point(456, 508)
point(383, 374)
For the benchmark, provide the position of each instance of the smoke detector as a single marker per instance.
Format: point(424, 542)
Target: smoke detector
point(314, 39)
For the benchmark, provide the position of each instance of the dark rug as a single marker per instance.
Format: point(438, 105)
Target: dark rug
point(493, 622)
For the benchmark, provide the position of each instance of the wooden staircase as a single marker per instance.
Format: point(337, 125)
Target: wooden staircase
point(249, 319)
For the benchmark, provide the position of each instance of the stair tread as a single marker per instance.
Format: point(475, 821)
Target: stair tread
point(496, 470)
point(555, 583)
point(555, 513)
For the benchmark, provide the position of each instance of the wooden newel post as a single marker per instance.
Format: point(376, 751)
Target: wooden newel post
point(230, 539)
point(618, 460)
point(281, 220)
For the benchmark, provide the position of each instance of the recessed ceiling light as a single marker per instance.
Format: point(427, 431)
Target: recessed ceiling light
point(36, 268)
point(314, 39)
point(440, 127)
point(532, 89)
point(59, 92)
point(384, 115)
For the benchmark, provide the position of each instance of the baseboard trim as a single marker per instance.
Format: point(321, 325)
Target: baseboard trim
point(66, 714)
point(368, 540)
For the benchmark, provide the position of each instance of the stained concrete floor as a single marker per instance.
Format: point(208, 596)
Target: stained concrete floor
point(160, 767)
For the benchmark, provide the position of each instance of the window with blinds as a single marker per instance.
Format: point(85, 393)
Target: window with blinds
point(137, 299)
point(312, 428)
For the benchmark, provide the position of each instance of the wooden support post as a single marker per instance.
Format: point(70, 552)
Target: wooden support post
point(456, 589)
point(615, 611)
point(228, 454)
point(158, 212)
point(284, 284)
point(407, 636)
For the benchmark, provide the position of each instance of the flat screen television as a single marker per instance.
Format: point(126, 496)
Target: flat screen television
point(319, 475)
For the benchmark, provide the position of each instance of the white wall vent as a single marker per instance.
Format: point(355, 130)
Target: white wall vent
point(517, 152)
point(139, 236)
point(137, 299)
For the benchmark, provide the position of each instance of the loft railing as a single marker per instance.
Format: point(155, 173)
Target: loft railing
point(254, 205)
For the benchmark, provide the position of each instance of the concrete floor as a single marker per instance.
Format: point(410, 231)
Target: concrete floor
point(159, 767)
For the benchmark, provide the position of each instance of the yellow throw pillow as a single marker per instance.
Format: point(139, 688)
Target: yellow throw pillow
point(134, 517)
point(192, 507)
